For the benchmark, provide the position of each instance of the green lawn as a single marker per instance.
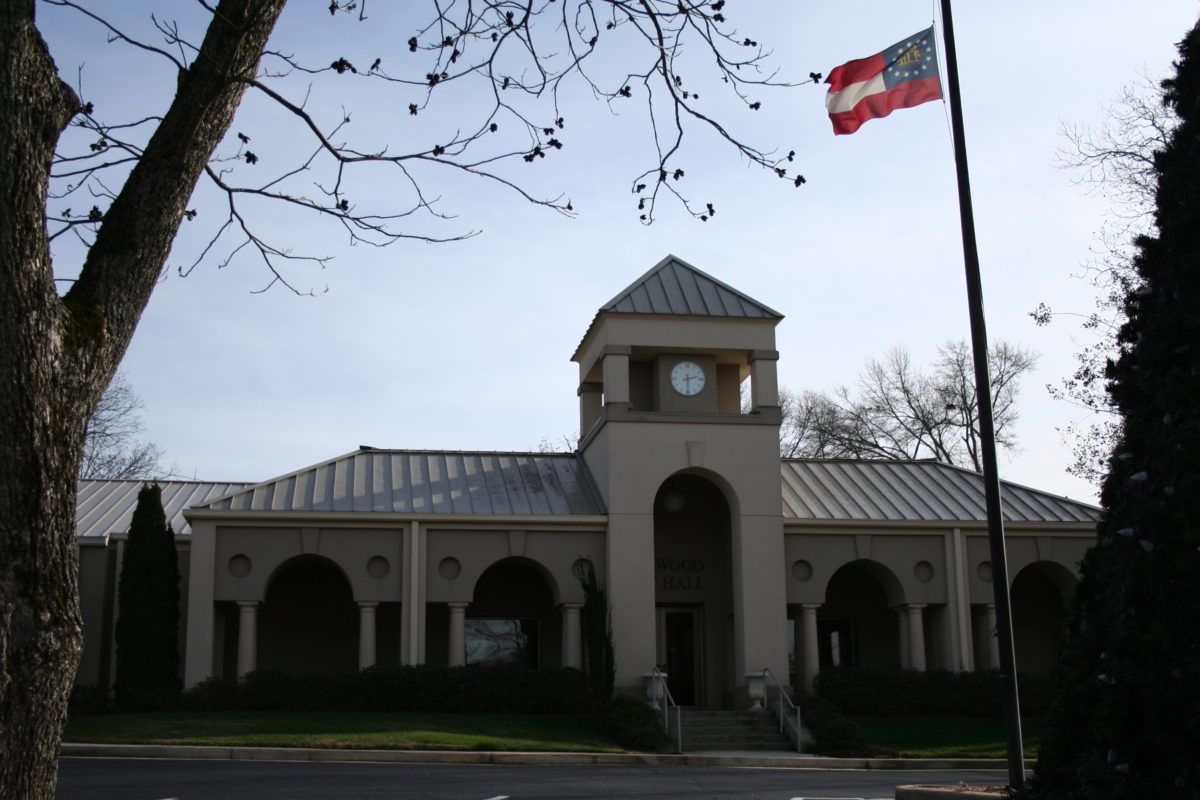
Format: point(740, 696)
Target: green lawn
point(922, 738)
point(947, 738)
point(519, 732)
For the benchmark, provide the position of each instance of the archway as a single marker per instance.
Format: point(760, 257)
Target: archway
point(511, 619)
point(694, 590)
point(1039, 595)
point(309, 621)
point(856, 626)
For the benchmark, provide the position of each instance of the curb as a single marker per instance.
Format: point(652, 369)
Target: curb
point(925, 792)
point(83, 750)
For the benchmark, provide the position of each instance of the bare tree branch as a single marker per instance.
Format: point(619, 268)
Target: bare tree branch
point(900, 411)
point(111, 445)
point(1115, 161)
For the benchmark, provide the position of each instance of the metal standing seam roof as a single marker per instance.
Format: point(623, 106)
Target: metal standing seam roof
point(911, 491)
point(103, 507)
point(672, 286)
point(533, 484)
point(429, 482)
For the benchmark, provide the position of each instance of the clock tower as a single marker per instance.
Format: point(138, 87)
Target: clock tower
point(679, 427)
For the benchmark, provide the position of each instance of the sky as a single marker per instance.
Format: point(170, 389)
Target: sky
point(466, 345)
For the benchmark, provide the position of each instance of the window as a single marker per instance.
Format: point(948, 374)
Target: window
point(502, 641)
point(835, 642)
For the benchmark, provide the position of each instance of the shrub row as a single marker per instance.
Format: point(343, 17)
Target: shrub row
point(484, 689)
point(901, 693)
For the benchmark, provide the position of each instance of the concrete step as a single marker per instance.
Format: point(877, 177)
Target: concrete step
point(731, 730)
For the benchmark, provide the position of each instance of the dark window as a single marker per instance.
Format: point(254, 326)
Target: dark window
point(502, 641)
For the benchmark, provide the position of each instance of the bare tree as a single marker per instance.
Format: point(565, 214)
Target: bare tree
point(111, 447)
point(898, 410)
point(122, 188)
point(811, 426)
point(1115, 161)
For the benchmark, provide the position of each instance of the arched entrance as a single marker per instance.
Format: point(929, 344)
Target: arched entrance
point(856, 626)
point(511, 619)
point(693, 590)
point(1040, 593)
point(309, 621)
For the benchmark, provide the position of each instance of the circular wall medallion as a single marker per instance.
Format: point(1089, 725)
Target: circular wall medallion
point(802, 570)
point(984, 571)
point(378, 567)
point(240, 566)
point(924, 571)
point(582, 568)
point(449, 568)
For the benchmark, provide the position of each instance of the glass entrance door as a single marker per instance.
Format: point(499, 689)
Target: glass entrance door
point(680, 652)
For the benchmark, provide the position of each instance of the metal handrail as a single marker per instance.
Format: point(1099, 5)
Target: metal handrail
point(660, 679)
point(792, 707)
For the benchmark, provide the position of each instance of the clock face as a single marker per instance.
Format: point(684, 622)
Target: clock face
point(687, 378)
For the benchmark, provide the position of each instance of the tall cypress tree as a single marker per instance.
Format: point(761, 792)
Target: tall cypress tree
point(1126, 719)
point(147, 629)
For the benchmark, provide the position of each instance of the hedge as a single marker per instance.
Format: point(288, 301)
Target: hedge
point(482, 689)
point(907, 693)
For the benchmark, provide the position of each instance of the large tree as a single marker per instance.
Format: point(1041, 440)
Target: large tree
point(901, 410)
point(1126, 718)
point(123, 187)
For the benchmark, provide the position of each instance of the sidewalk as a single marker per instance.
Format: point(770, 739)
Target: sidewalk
point(774, 760)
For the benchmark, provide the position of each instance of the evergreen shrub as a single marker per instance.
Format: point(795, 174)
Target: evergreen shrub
point(89, 699)
point(147, 629)
point(635, 725)
point(832, 731)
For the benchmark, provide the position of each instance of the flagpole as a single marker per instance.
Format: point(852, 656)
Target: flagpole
point(987, 434)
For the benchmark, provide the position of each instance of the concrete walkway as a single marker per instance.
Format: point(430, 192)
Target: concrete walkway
point(775, 760)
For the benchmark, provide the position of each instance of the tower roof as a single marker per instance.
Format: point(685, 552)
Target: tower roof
point(673, 286)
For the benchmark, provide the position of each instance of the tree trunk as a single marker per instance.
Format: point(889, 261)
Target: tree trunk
point(59, 353)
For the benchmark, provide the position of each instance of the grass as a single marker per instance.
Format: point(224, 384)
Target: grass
point(947, 738)
point(564, 733)
point(512, 732)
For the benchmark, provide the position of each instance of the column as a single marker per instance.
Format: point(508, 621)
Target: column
point(458, 634)
point(247, 656)
point(616, 374)
point(991, 643)
point(590, 398)
point(366, 634)
point(199, 661)
point(916, 637)
point(412, 611)
point(764, 383)
point(572, 639)
point(811, 663)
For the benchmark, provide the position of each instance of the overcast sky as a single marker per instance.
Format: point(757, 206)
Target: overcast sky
point(466, 345)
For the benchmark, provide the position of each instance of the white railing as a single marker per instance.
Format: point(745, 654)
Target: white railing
point(660, 692)
point(790, 713)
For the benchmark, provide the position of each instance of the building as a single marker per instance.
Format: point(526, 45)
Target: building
point(719, 559)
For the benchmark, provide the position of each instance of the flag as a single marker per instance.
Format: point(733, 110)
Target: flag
point(902, 76)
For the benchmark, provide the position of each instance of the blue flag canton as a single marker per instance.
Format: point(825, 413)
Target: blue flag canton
point(913, 59)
